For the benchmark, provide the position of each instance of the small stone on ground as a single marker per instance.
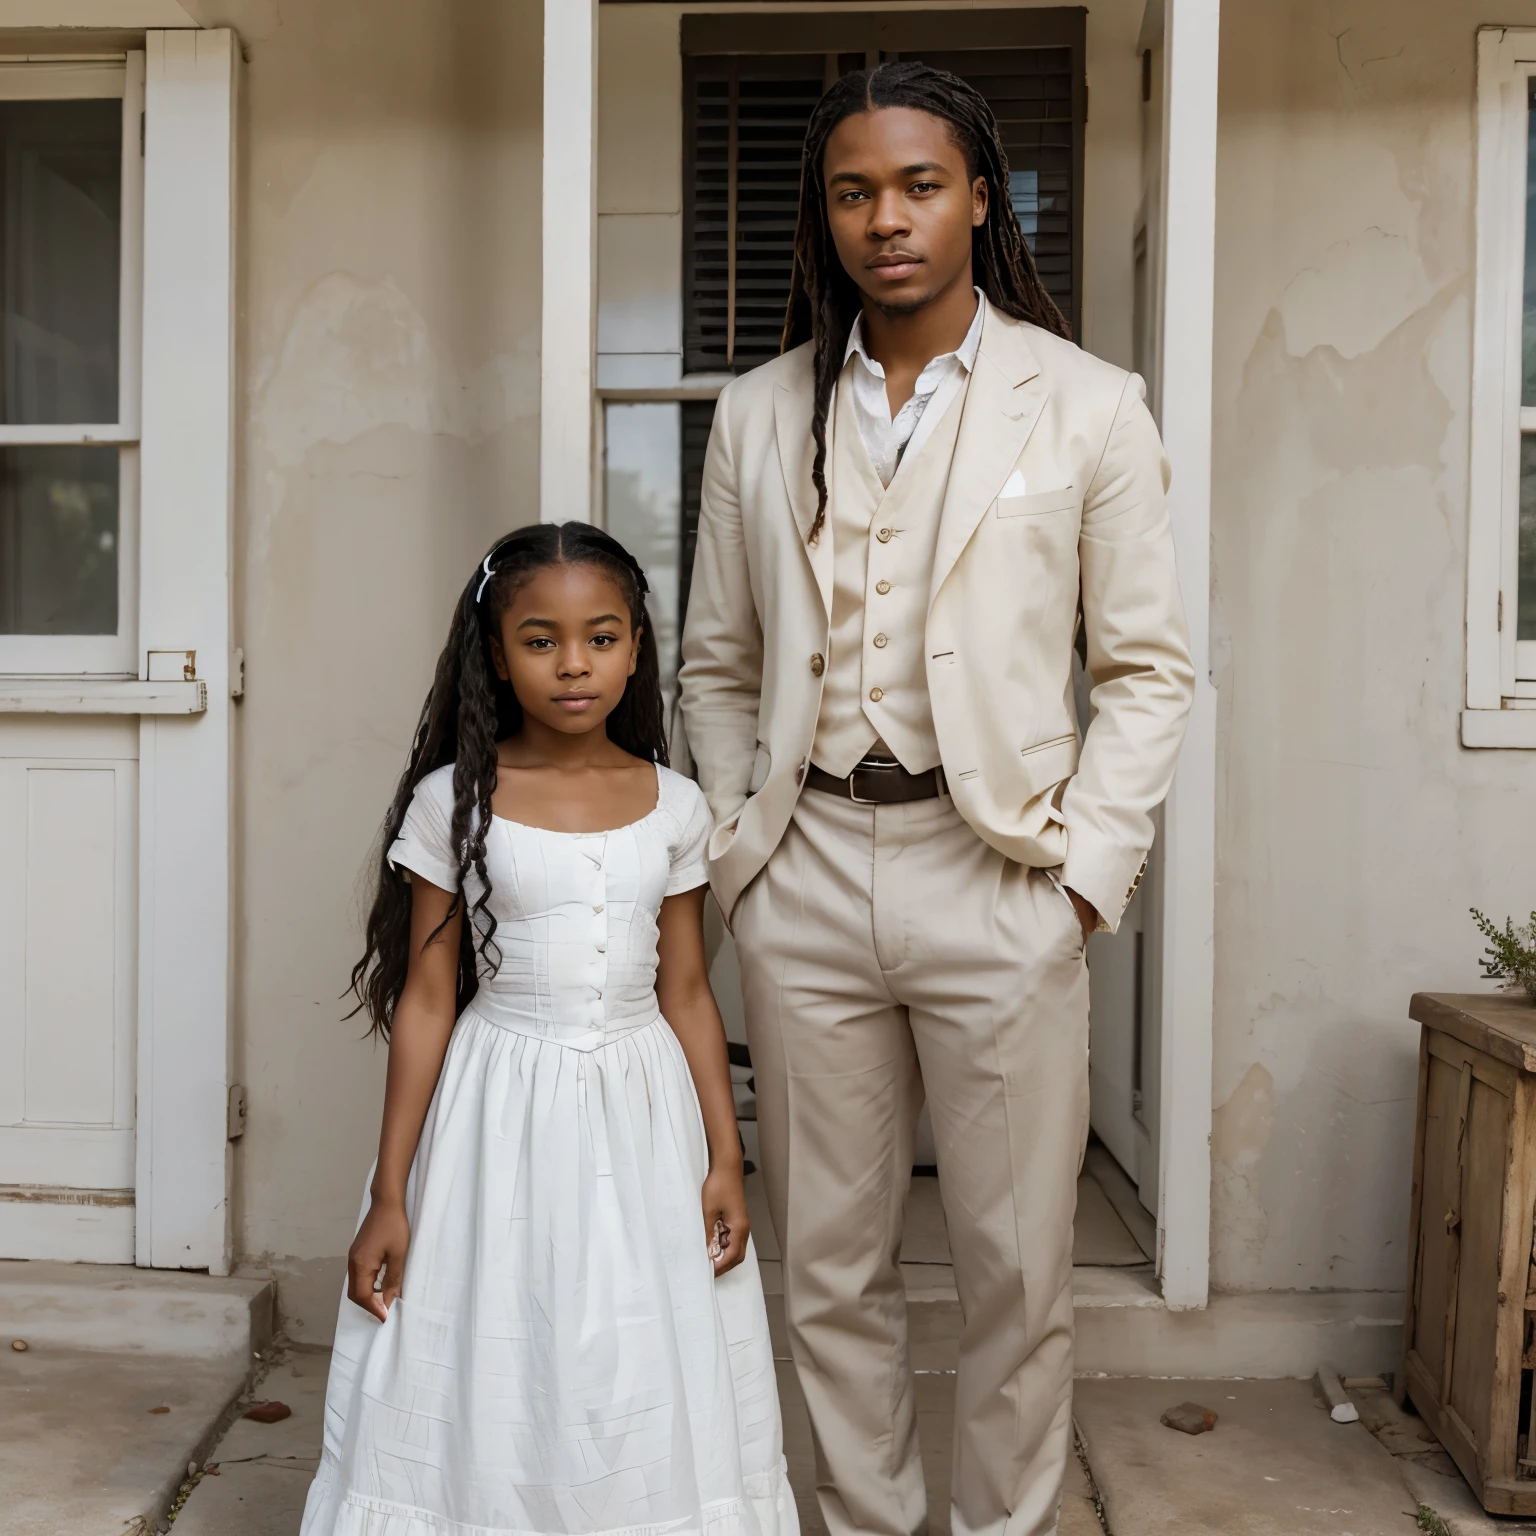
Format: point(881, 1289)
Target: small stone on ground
point(1189, 1419)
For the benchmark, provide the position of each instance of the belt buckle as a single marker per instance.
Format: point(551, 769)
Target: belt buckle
point(853, 792)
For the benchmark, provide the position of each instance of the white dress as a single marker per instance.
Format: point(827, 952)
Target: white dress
point(562, 1360)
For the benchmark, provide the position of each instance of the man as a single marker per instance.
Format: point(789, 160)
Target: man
point(900, 519)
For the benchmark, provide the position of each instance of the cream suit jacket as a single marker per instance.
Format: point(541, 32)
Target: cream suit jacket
point(1057, 486)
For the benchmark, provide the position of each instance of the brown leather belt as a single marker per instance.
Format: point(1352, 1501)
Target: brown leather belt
point(878, 781)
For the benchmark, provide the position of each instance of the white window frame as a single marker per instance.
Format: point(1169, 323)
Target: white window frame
point(116, 655)
point(1501, 671)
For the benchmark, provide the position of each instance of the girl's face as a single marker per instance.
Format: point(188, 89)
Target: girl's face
point(568, 646)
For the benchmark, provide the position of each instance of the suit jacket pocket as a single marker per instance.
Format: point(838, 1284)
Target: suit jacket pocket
point(1038, 504)
point(1049, 762)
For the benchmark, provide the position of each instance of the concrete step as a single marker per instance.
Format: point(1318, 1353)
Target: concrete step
point(134, 1311)
point(128, 1378)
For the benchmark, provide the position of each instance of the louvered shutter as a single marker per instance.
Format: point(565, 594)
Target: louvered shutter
point(746, 121)
point(1030, 91)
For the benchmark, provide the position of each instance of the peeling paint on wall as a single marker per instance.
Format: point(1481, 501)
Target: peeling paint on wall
point(358, 355)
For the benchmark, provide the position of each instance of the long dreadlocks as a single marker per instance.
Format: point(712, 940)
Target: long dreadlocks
point(824, 301)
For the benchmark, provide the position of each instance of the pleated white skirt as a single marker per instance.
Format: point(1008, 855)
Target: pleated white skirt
point(562, 1361)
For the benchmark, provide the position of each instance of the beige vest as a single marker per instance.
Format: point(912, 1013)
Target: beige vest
point(883, 544)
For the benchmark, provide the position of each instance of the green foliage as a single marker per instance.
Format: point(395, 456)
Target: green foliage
point(1431, 1522)
point(1511, 953)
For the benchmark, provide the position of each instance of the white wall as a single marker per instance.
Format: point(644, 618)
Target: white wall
point(1353, 831)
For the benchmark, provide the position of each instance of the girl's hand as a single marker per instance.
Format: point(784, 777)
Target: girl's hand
point(380, 1243)
point(726, 1227)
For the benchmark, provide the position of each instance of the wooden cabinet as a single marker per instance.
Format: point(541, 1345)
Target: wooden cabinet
point(1469, 1336)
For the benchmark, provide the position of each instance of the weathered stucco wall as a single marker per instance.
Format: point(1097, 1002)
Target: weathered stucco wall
point(1353, 830)
point(389, 239)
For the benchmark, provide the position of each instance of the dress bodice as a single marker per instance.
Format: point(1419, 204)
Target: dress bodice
point(575, 912)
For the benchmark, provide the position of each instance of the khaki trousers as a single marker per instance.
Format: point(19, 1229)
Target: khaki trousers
point(887, 951)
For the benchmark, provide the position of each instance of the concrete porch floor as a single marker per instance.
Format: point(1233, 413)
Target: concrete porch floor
point(1275, 1465)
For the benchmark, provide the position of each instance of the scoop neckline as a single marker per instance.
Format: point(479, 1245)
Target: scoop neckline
point(528, 826)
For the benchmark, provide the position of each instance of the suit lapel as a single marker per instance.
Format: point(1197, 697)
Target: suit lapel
point(1003, 402)
point(792, 408)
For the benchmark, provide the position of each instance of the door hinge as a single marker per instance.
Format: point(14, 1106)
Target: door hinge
point(141, 133)
point(234, 1127)
point(1501, 613)
point(237, 673)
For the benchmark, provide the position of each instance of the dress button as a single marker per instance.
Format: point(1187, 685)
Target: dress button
point(880, 642)
point(818, 664)
point(884, 535)
point(882, 587)
point(876, 694)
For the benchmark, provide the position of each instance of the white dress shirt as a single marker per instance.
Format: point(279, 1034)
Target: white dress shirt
point(887, 440)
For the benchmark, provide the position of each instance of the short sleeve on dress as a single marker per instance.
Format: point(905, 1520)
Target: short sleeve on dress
point(689, 869)
point(424, 845)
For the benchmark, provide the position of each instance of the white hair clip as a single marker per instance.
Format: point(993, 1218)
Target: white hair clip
point(486, 567)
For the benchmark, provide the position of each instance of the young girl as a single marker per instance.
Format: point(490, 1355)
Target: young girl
point(545, 1332)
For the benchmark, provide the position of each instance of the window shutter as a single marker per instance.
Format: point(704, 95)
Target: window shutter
point(1030, 91)
point(746, 121)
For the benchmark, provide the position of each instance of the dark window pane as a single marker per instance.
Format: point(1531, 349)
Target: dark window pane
point(60, 203)
point(698, 418)
point(1526, 626)
point(58, 541)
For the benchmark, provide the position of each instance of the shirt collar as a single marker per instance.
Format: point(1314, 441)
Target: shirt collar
point(964, 354)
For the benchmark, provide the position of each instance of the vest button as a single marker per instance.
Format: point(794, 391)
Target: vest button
point(818, 664)
point(884, 535)
point(880, 642)
point(882, 587)
point(876, 694)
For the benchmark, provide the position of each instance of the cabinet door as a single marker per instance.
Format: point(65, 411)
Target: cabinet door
point(1462, 1338)
point(68, 817)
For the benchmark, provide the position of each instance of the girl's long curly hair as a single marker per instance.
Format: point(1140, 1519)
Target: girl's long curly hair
point(467, 711)
point(824, 301)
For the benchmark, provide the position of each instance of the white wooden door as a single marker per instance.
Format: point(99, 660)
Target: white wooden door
point(70, 257)
point(68, 819)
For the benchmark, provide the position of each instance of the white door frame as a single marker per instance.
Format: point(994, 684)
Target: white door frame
point(568, 471)
point(1190, 71)
point(186, 556)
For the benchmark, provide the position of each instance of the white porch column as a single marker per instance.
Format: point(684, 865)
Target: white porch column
point(569, 339)
point(1190, 59)
point(187, 477)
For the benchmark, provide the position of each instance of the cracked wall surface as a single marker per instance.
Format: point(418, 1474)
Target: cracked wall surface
point(389, 227)
point(1353, 831)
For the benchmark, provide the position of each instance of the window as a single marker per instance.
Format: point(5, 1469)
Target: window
point(70, 228)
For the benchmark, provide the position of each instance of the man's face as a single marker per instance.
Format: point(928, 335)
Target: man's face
point(901, 206)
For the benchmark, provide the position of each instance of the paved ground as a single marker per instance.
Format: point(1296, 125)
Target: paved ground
point(1275, 1465)
point(81, 1451)
point(263, 1470)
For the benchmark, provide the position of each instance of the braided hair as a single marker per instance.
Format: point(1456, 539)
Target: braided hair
point(468, 710)
point(824, 301)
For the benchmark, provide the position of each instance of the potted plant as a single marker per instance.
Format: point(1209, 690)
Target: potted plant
point(1511, 953)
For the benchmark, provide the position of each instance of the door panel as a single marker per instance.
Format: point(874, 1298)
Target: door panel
point(68, 820)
